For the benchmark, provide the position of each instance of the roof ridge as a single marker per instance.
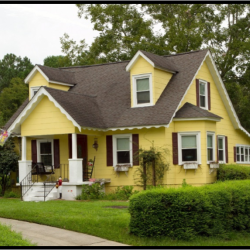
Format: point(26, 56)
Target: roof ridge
point(189, 52)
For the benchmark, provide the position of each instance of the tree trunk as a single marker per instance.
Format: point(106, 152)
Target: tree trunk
point(144, 176)
point(153, 172)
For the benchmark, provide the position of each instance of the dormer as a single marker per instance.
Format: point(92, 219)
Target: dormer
point(149, 76)
point(50, 77)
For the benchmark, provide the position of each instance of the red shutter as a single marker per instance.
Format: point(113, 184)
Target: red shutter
point(33, 151)
point(109, 147)
point(135, 149)
point(226, 149)
point(208, 96)
point(70, 145)
point(198, 92)
point(235, 157)
point(56, 154)
point(175, 148)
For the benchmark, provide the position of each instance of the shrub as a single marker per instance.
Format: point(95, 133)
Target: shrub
point(11, 194)
point(184, 213)
point(233, 172)
point(93, 191)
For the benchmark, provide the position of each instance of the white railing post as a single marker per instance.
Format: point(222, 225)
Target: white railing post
point(24, 147)
point(74, 146)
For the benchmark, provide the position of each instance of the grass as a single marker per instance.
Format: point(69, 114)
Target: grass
point(94, 218)
point(11, 238)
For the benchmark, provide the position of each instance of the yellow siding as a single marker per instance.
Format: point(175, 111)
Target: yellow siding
point(46, 119)
point(39, 80)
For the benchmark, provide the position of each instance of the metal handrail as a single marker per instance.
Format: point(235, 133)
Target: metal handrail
point(27, 182)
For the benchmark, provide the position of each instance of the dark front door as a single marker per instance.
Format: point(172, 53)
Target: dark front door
point(82, 151)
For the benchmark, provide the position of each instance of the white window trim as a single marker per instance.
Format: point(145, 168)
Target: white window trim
point(115, 137)
point(214, 151)
point(38, 149)
point(33, 89)
point(224, 148)
point(141, 76)
point(206, 94)
point(244, 146)
point(198, 144)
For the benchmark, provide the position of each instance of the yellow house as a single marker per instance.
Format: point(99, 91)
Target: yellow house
point(106, 112)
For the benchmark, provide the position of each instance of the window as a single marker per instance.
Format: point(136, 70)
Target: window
point(243, 154)
point(189, 150)
point(122, 149)
point(203, 94)
point(34, 90)
point(210, 147)
point(221, 149)
point(45, 152)
point(142, 90)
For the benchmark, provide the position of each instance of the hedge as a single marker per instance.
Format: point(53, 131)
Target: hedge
point(233, 172)
point(184, 213)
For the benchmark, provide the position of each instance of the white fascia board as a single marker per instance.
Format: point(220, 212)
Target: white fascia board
point(135, 58)
point(32, 104)
point(32, 73)
point(198, 119)
point(61, 83)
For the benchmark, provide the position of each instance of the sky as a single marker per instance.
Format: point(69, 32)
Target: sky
point(34, 30)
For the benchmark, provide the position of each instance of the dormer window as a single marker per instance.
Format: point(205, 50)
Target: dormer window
point(34, 90)
point(203, 94)
point(142, 90)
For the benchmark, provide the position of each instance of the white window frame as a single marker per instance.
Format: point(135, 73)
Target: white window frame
point(198, 145)
point(142, 76)
point(115, 137)
point(224, 148)
point(244, 148)
point(38, 149)
point(206, 94)
point(214, 151)
point(33, 90)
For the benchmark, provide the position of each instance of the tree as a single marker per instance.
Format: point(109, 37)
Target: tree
point(11, 98)
point(57, 61)
point(8, 162)
point(12, 66)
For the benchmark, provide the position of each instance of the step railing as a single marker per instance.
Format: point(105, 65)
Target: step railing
point(48, 185)
point(28, 181)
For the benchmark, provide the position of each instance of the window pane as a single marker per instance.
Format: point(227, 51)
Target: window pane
point(242, 150)
point(210, 141)
point(209, 154)
point(242, 158)
point(142, 84)
point(188, 141)
point(202, 101)
point(238, 157)
point(220, 142)
point(143, 97)
point(45, 147)
point(189, 154)
point(202, 88)
point(123, 157)
point(123, 144)
point(221, 156)
point(46, 159)
point(238, 150)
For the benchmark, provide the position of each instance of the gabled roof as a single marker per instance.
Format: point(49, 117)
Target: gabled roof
point(101, 97)
point(190, 111)
point(53, 75)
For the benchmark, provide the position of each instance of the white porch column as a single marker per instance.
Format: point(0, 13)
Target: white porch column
point(75, 165)
point(24, 165)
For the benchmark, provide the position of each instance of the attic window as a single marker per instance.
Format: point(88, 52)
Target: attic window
point(142, 90)
point(34, 90)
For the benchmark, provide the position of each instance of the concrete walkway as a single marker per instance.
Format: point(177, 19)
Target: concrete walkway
point(52, 236)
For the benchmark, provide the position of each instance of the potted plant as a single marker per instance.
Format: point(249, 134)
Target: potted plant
point(90, 162)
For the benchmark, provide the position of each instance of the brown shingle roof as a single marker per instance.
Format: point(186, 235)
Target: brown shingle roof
point(101, 98)
point(58, 75)
point(189, 110)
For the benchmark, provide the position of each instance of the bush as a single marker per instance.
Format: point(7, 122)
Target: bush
point(93, 191)
point(11, 194)
point(233, 172)
point(184, 213)
point(121, 193)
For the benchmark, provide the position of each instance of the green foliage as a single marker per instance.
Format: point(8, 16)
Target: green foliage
point(121, 193)
point(184, 184)
point(11, 194)
point(153, 165)
point(184, 213)
point(92, 192)
point(12, 66)
point(233, 172)
point(11, 98)
point(57, 61)
point(8, 162)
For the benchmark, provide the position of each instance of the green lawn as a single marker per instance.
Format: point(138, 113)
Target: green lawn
point(10, 238)
point(96, 219)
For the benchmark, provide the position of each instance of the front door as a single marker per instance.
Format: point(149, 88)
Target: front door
point(82, 151)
